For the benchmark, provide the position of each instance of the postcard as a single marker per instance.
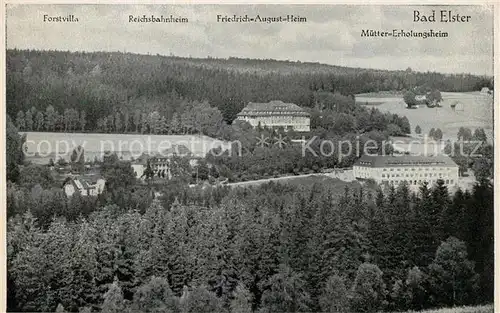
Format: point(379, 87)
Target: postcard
point(247, 158)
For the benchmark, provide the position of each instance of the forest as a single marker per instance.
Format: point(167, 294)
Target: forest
point(322, 246)
point(274, 248)
point(89, 90)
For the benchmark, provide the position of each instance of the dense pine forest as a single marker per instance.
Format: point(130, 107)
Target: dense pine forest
point(86, 91)
point(276, 248)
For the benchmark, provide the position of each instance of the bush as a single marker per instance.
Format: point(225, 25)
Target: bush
point(334, 295)
point(368, 291)
point(200, 300)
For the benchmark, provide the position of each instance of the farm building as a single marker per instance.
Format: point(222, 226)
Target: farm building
point(413, 170)
point(85, 186)
point(276, 114)
point(486, 90)
point(421, 98)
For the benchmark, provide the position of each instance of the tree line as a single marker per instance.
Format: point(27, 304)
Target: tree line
point(102, 83)
point(472, 151)
point(333, 114)
point(196, 117)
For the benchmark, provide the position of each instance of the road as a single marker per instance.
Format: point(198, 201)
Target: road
point(346, 175)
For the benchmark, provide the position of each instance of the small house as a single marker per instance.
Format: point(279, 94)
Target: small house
point(85, 186)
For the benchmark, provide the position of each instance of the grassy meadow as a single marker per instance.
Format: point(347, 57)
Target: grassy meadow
point(473, 110)
point(466, 309)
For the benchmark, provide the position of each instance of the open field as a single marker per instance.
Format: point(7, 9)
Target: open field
point(381, 94)
point(473, 110)
point(304, 179)
point(465, 309)
point(376, 98)
point(55, 145)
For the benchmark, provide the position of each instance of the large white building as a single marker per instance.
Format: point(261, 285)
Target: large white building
point(276, 114)
point(412, 169)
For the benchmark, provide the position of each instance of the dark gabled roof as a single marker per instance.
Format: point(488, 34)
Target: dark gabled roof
point(405, 160)
point(275, 106)
point(80, 182)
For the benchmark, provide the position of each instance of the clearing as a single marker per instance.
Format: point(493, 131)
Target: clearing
point(473, 110)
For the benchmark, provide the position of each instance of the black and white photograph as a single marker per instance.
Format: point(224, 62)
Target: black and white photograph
point(249, 158)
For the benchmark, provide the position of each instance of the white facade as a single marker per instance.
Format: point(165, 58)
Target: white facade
point(157, 165)
point(276, 114)
point(274, 120)
point(69, 190)
point(138, 169)
point(99, 186)
point(413, 175)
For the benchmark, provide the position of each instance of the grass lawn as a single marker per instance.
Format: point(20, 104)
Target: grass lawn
point(475, 110)
point(466, 309)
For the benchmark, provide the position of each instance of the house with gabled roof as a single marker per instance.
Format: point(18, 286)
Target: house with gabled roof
point(86, 186)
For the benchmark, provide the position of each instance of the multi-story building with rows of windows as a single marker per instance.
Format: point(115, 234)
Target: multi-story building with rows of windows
point(160, 163)
point(412, 169)
point(276, 114)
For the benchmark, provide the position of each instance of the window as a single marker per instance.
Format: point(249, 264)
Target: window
point(383, 175)
point(447, 181)
point(451, 181)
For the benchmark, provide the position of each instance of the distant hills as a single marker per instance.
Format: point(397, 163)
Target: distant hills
point(101, 83)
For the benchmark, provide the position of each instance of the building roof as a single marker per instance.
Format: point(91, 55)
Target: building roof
point(81, 183)
point(274, 107)
point(405, 160)
point(179, 150)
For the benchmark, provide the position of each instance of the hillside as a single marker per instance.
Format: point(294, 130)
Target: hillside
point(101, 83)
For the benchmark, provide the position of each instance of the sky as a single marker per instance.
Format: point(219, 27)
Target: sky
point(331, 35)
